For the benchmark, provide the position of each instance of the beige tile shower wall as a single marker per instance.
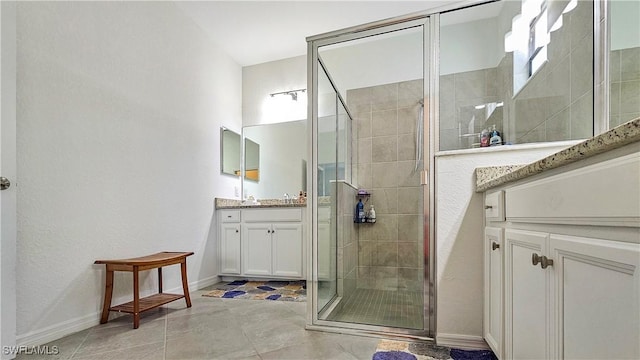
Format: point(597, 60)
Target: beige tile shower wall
point(460, 93)
point(624, 77)
point(557, 102)
point(389, 250)
point(347, 243)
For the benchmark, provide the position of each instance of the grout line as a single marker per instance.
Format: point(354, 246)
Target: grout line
point(166, 328)
point(81, 343)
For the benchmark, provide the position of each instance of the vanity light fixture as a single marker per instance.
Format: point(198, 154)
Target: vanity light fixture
point(292, 93)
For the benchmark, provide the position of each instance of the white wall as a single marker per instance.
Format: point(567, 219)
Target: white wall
point(119, 112)
point(456, 43)
point(258, 81)
point(8, 170)
point(459, 235)
point(378, 60)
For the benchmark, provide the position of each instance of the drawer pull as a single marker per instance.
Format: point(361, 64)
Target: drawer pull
point(495, 245)
point(237, 230)
point(487, 207)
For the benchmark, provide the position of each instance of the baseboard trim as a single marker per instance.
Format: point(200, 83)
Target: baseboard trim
point(68, 327)
point(202, 283)
point(467, 342)
point(57, 331)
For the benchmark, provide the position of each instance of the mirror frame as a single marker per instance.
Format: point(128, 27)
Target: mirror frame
point(233, 172)
point(251, 173)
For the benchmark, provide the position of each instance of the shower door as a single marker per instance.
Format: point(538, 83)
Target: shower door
point(369, 87)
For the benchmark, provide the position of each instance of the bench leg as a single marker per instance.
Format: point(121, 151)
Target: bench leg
point(136, 299)
point(185, 284)
point(108, 292)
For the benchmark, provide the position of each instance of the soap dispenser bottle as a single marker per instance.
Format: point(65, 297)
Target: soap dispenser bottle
point(495, 137)
point(372, 215)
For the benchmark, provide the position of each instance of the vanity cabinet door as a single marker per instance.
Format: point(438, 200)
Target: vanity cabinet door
point(526, 296)
point(493, 295)
point(596, 296)
point(256, 245)
point(287, 250)
point(230, 249)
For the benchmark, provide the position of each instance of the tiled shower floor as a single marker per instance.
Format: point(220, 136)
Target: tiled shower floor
point(400, 308)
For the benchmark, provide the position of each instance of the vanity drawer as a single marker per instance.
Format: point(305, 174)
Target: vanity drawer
point(230, 216)
point(268, 215)
point(604, 193)
point(494, 206)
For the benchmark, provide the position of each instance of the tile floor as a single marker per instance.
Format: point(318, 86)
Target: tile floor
point(212, 329)
point(382, 307)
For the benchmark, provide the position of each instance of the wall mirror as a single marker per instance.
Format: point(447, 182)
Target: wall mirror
point(278, 153)
point(251, 160)
point(230, 152)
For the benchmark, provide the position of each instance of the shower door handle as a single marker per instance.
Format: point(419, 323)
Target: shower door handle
point(424, 177)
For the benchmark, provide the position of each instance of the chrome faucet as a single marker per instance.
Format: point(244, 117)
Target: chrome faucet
point(286, 198)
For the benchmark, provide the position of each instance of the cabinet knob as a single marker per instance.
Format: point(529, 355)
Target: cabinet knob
point(495, 245)
point(237, 230)
point(544, 261)
point(535, 259)
point(268, 231)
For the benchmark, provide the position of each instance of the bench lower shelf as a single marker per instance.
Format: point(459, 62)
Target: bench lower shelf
point(147, 303)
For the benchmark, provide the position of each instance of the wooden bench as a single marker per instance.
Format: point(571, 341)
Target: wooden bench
point(135, 265)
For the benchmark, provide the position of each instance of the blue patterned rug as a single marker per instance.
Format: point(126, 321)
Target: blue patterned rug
point(402, 350)
point(260, 290)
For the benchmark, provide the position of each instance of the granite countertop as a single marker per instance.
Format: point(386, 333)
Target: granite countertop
point(263, 203)
point(492, 176)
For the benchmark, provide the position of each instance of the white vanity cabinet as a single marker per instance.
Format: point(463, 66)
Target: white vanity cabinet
point(269, 243)
point(230, 242)
point(569, 247)
point(526, 297)
point(256, 244)
point(286, 242)
point(570, 297)
point(493, 288)
point(273, 249)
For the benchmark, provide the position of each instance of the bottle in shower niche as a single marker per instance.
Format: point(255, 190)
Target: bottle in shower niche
point(495, 138)
point(485, 135)
point(359, 215)
point(372, 215)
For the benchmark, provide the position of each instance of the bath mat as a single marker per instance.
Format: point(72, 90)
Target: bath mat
point(261, 290)
point(402, 350)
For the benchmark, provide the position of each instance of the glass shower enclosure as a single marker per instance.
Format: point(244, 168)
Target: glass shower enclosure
point(368, 87)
